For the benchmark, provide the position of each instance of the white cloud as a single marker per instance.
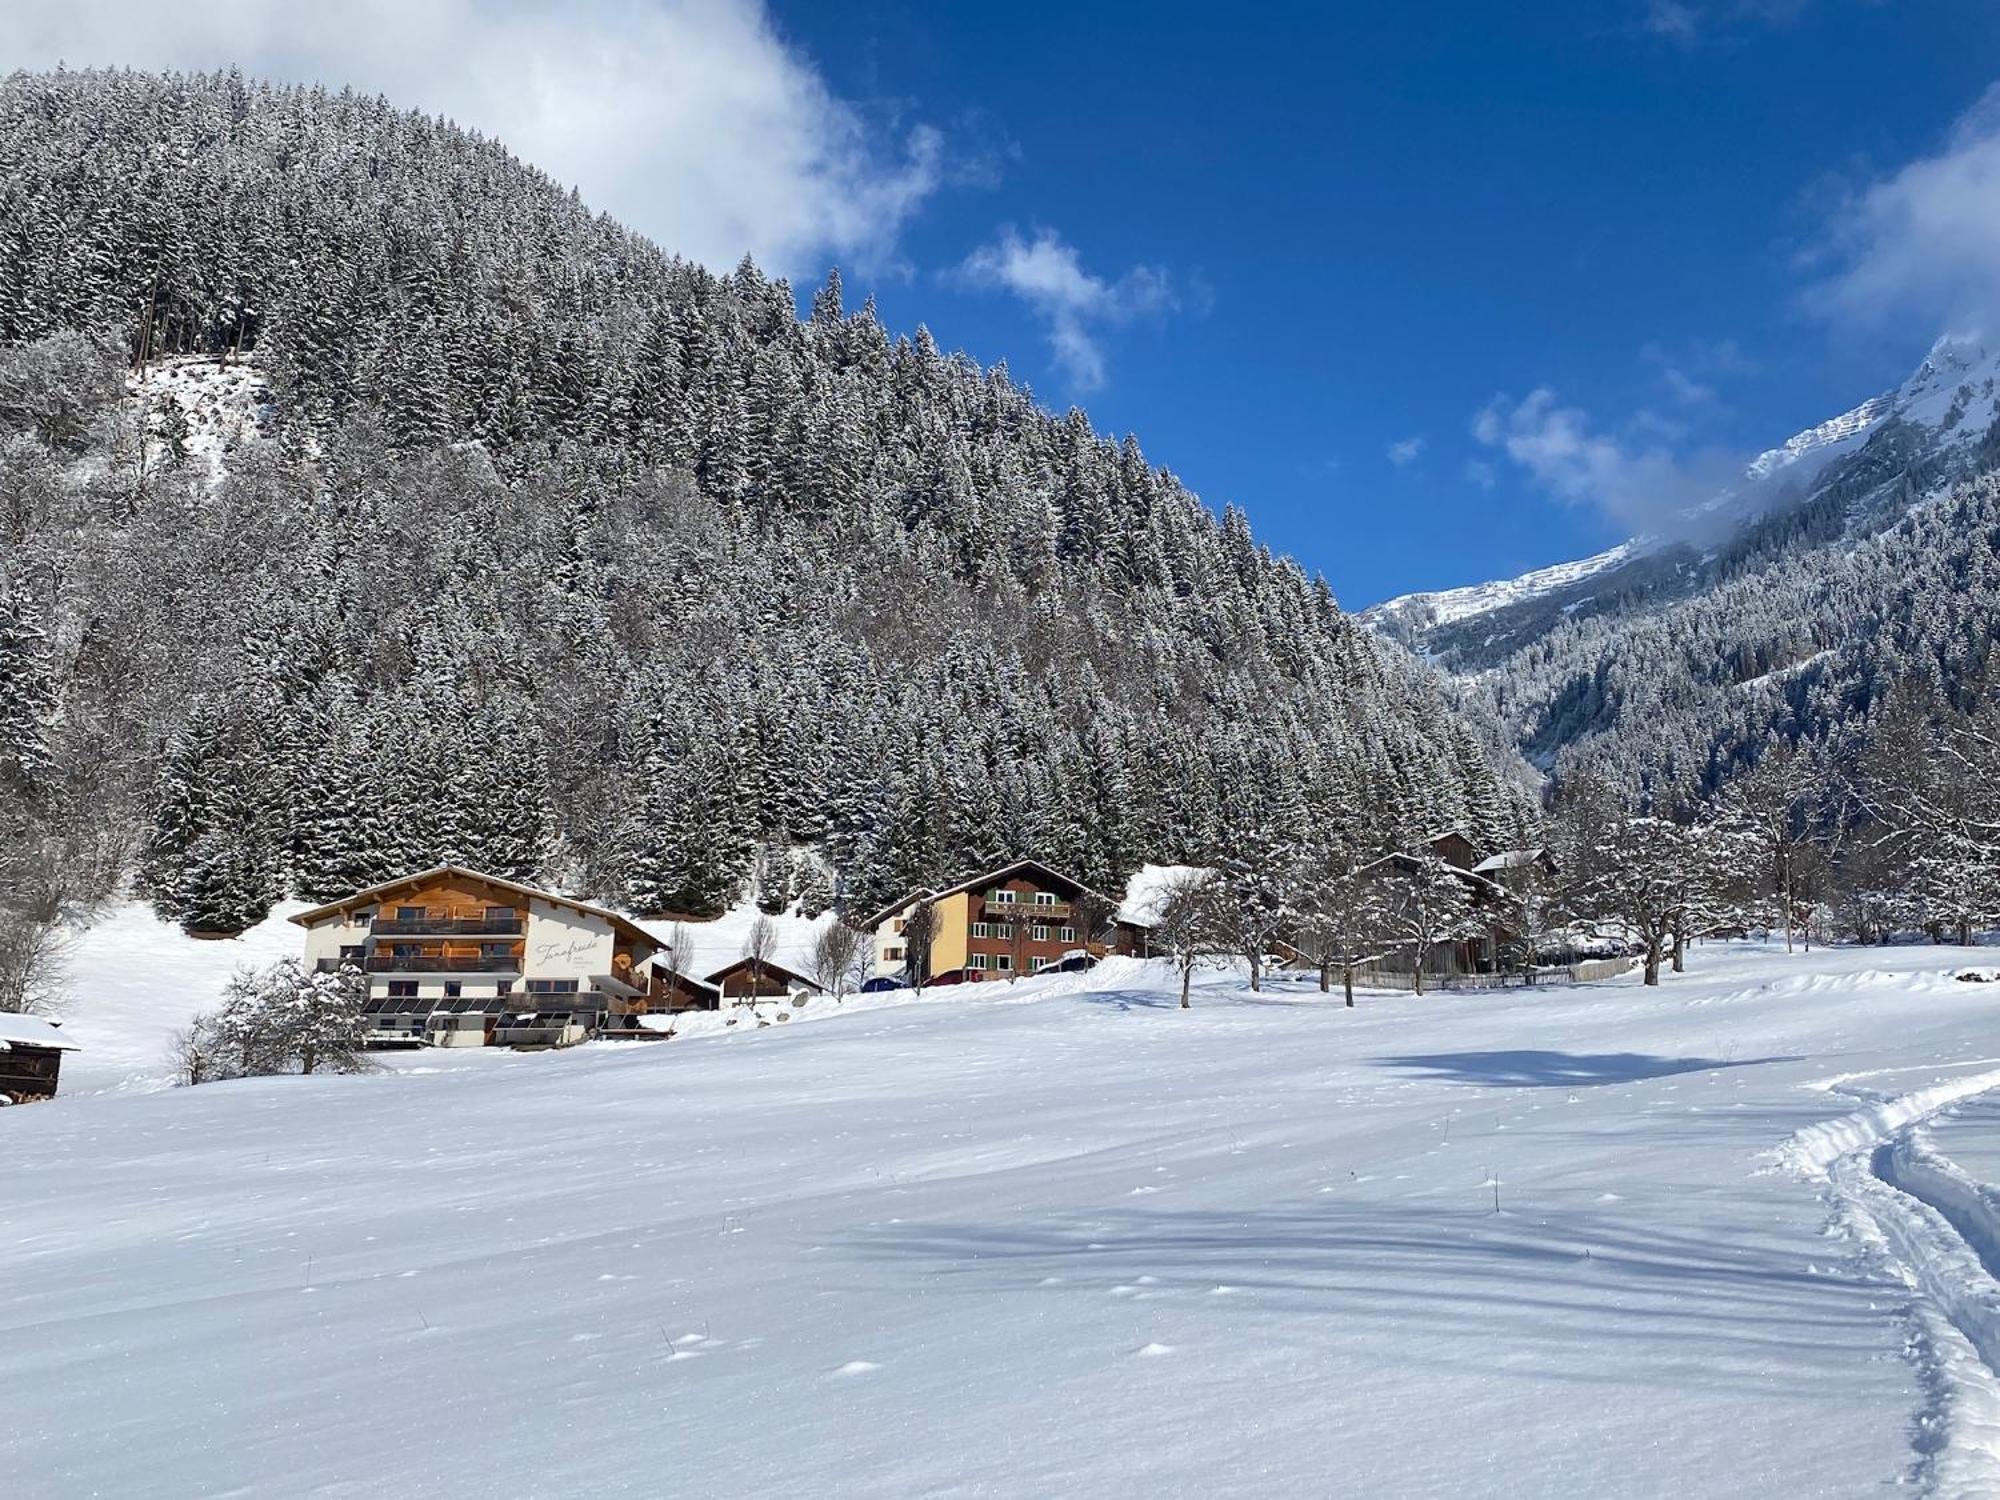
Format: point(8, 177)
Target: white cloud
point(1924, 240)
point(1684, 388)
point(691, 120)
point(1689, 24)
point(1074, 304)
point(1480, 474)
point(1643, 485)
point(1406, 452)
point(1673, 20)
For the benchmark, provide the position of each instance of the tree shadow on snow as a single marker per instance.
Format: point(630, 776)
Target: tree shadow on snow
point(1703, 1303)
point(1529, 1069)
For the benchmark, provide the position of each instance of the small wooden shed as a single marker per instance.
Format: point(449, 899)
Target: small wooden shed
point(31, 1049)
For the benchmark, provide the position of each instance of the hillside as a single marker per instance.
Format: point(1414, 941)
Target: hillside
point(1560, 1243)
point(1855, 553)
point(549, 553)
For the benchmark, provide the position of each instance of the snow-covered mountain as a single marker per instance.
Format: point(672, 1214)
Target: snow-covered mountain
point(1416, 612)
point(1947, 404)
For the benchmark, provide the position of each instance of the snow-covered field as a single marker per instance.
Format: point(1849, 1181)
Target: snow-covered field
point(1029, 1241)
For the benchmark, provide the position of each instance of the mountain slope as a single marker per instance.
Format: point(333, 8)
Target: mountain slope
point(1851, 555)
point(563, 555)
point(1936, 421)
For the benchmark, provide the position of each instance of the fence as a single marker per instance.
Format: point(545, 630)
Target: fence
point(1579, 973)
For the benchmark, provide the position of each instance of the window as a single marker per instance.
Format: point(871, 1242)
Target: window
point(1000, 898)
point(892, 952)
point(1069, 934)
point(364, 918)
point(552, 986)
point(898, 925)
point(982, 929)
point(402, 989)
point(410, 914)
point(1039, 933)
point(1045, 898)
point(351, 953)
point(1042, 963)
point(453, 989)
point(499, 914)
point(504, 987)
point(1003, 962)
point(977, 961)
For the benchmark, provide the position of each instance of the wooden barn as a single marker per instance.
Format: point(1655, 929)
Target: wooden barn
point(31, 1049)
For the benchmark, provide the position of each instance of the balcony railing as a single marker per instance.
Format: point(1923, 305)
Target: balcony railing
point(431, 963)
point(389, 927)
point(1024, 911)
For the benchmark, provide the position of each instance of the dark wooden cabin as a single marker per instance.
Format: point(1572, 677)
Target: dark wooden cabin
point(31, 1049)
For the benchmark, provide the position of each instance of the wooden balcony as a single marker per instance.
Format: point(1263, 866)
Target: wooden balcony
point(471, 927)
point(1025, 911)
point(434, 963)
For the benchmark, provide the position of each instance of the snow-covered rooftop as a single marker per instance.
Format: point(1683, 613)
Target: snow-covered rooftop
point(1147, 891)
point(17, 1030)
point(1507, 859)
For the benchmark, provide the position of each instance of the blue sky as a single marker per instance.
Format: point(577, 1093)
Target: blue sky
point(1436, 293)
point(1354, 227)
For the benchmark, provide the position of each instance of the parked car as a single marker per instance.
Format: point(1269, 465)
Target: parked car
point(880, 983)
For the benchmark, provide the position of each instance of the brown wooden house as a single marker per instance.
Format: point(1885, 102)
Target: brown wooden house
point(31, 1049)
point(667, 992)
point(458, 957)
point(1017, 919)
point(744, 980)
point(1479, 954)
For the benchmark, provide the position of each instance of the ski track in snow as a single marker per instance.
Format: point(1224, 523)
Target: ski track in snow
point(1938, 1231)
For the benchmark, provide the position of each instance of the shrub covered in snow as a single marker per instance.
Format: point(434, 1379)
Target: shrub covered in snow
point(278, 1020)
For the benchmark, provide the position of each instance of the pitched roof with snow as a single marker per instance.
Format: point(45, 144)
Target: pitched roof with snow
point(661, 963)
point(625, 925)
point(1403, 860)
point(773, 970)
point(1507, 859)
point(1001, 872)
point(17, 1030)
point(1149, 890)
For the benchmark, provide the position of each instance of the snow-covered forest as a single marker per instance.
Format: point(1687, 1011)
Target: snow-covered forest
point(561, 556)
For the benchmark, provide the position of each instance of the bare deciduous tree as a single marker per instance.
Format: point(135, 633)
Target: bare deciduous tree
point(834, 953)
point(1339, 915)
point(1092, 916)
point(760, 947)
point(34, 961)
point(919, 931)
point(1019, 934)
point(1426, 906)
point(1192, 924)
point(680, 950)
